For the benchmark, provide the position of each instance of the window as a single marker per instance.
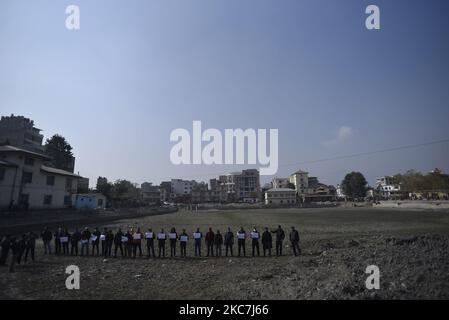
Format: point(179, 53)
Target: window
point(50, 180)
point(2, 174)
point(29, 161)
point(68, 184)
point(47, 199)
point(27, 177)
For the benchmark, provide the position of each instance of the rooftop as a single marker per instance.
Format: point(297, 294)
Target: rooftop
point(8, 148)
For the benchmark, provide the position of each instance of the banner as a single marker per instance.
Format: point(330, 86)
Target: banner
point(124, 239)
point(254, 235)
point(161, 236)
point(240, 235)
point(149, 235)
point(102, 237)
point(184, 238)
point(137, 236)
point(197, 235)
point(64, 239)
point(93, 238)
point(172, 235)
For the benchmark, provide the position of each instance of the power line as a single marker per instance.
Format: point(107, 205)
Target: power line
point(355, 155)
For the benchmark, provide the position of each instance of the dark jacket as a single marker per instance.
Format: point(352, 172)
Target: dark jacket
point(47, 235)
point(218, 240)
point(294, 236)
point(210, 237)
point(118, 238)
point(280, 234)
point(267, 240)
point(76, 237)
point(229, 238)
point(85, 235)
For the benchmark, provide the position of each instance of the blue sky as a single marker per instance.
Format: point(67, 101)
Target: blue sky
point(139, 69)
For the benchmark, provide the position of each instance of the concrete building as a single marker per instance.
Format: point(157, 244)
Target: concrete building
point(387, 188)
point(181, 187)
point(280, 196)
point(151, 194)
point(27, 183)
point(280, 183)
point(20, 132)
point(90, 201)
point(300, 179)
point(202, 194)
point(242, 186)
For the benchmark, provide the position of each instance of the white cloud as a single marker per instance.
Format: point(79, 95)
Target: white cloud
point(344, 134)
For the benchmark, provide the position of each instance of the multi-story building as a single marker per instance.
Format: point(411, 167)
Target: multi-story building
point(27, 183)
point(201, 193)
point(300, 179)
point(280, 183)
point(387, 188)
point(20, 132)
point(280, 196)
point(151, 194)
point(242, 186)
point(181, 187)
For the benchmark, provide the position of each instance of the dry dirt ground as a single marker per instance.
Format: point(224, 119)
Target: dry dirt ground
point(410, 247)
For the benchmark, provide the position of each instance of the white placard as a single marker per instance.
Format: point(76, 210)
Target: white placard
point(137, 236)
point(149, 235)
point(197, 235)
point(161, 236)
point(184, 238)
point(124, 239)
point(64, 239)
point(103, 237)
point(240, 235)
point(93, 238)
point(254, 235)
point(172, 235)
point(84, 241)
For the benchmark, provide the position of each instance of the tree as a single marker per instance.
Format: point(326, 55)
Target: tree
point(354, 185)
point(61, 151)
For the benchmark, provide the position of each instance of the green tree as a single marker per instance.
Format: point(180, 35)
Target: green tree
point(61, 151)
point(354, 185)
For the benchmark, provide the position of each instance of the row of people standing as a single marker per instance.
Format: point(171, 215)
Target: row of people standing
point(129, 243)
point(17, 248)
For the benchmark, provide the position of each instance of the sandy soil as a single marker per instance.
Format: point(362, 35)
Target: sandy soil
point(409, 246)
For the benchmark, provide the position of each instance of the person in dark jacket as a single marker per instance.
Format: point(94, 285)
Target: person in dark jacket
point(15, 251)
point(129, 243)
point(280, 236)
point(255, 236)
point(241, 236)
point(294, 240)
point(85, 238)
point(74, 240)
point(267, 242)
point(183, 238)
point(161, 237)
point(173, 239)
point(229, 241)
point(218, 242)
point(30, 245)
point(149, 236)
point(21, 246)
point(109, 242)
point(58, 235)
point(46, 236)
point(137, 243)
point(118, 243)
point(197, 236)
point(65, 235)
point(210, 242)
point(96, 242)
point(6, 245)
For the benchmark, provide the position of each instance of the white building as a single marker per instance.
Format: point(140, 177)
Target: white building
point(280, 196)
point(27, 183)
point(93, 201)
point(386, 187)
point(280, 183)
point(300, 180)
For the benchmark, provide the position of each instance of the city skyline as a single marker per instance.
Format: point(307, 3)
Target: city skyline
point(134, 72)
